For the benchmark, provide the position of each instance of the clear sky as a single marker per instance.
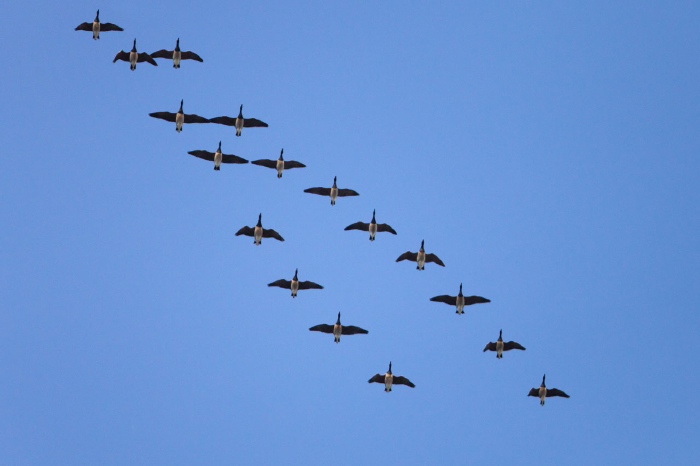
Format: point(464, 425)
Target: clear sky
point(547, 152)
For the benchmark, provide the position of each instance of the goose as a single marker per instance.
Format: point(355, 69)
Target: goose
point(337, 329)
point(543, 392)
point(239, 122)
point(134, 57)
point(95, 26)
point(180, 117)
point(373, 227)
point(420, 257)
point(176, 55)
point(295, 285)
point(280, 164)
point(460, 300)
point(500, 346)
point(217, 157)
point(334, 192)
point(390, 379)
point(258, 232)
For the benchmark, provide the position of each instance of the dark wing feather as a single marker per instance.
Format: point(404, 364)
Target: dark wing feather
point(534, 392)
point(358, 226)
point(265, 163)
point(192, 118)
point(402, 381)
point(108, 27)
point(445, 298)
point(352, 330)
point(223, 120)
point(190, 56)
point(509, 345)
point(321, 191)
point(412, 256)
point(230, 158)
point(282, 283)
point(385, 227)
point(120, 55)
point(144, 57)
point(162, 53)
point(248, 231)
point(202, 154)
point(475, 300)
point(253, 122)
point(556, 392)
point(490, 346)
point(292, 164)
point(84, 27)
point(347, 192)
point(307, 285)
point(167, 116)
point(325, 328)
point(379, 378)
point(433, 258)
point(269, 233)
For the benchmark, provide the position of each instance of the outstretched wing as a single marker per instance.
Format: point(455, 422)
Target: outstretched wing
point(321, 191)
point(162, 53)
point(192, 118)
point(352, 330)
point(385, 227)
point(325, 328)
point(433, 258)
point(167, 116)
point(282, 283)
point(379, 378)
point(445, 298)
point(408, 255)
point(534, 392)
point(307, 285)
point(269, 233)
point(248, 231)
point(223, 120)
point(122, 55)
point(202, 154)
point(190, 56)
point(358, 226)
point(253, 122)
point(490, 346)
point(265, 163)
point(347, 192)
point(84, 27)
point(509, 345)
point(475, 300)
point(143, 56)
point(556, 392)
point(292, 164)
point(230, 158)
point(107, 27)
point(402, 381)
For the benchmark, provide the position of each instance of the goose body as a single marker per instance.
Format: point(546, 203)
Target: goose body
point(239, 122)
point(420, 257)
point(176, 55)
point(389, 379)
point(334, 192)
point(217, 157)
point(134, 57)
point(460, 300)
point(96, 26)
point(295, 285)
point(258, 232)
point(543, 392)
point(372, 227)
point(280, 164)
point(180, 117)
point(337, 329)
point(499, 346)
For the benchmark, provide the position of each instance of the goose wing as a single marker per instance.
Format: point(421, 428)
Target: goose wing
point(265, 163)
point(534, 392)
point(282, 283)
point(162, 53)
point(107, 27)
point(122, 55)
point(347, 192)
point(358, 226)
point(248, 231)
point(167, 116)
point(475, 299)
point(352, 330)
point(321, 191)
point(556, 392)
point(270, 233)
point(385, 227)
point(223, 120)
point(143, 56)
point(434, 258)
point(292, 164)
point(325, 328)
point(379, 378)
point(84, 27)
point(230, 158)
point(490, 346)
point(444, 298)
point(192, 118)
point(253, 122)
point(408, 255)
point(202, 154)
point(190, 56)
point(307, 285)
point(509, 345)
point(402, 381)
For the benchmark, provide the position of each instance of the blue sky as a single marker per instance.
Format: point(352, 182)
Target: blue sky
point(547, 152)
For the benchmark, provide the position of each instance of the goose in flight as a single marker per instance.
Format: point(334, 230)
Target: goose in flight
point(337, 329)
point(420, 257)
point(542, 392)
point(258, 232)
point(499, 346)
point(373, 227)
point(96, 27)
point(176, 55)
point(179, 118)
point(217, 157)
point(239, 122)
point(460, 300)
point(133, 57)
point(280, 164)
point(334, 192)
point(296, 285)
point(389, 379)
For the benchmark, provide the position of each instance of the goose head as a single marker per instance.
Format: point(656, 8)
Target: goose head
point(259, 220)
point(422, 245)
point(177, 44)
point(182, 101)
point(460, 290)
point(240, 111)
point(281, 152)
point(219, 149)
point(373, 212)
point(500, 336)
point(338, 321)
point(334, 181)
point(545, 375)
point(296, 271)
point(389, 371)
point(97, 16)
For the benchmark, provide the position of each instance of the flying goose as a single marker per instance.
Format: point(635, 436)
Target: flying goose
point(373, 227)
point(176, 55)
point(337, 329)
point(543, 392)
point(134, 57)
point(280, 164)
point(95, 26)
point(179, 118)
point(295, 285)
point(420, 257)
point(334, 192)
point(217, 157)
point(390, 379)
point(460, 300)
point(500, 346)
point(258, 232)
point(239, 122)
